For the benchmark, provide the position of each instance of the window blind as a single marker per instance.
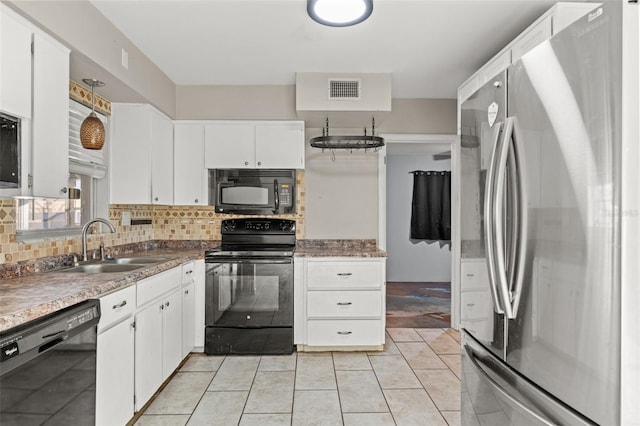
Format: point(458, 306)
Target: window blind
point(84, 161)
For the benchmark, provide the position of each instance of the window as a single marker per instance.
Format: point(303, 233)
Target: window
point(40, 219)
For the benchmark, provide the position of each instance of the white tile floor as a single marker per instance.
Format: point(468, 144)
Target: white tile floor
point(414, 381)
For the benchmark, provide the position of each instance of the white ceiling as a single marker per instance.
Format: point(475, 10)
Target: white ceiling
point(430, 47)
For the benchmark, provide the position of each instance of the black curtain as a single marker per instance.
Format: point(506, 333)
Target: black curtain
point(431, 205)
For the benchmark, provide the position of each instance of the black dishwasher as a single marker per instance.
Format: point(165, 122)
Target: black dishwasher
point(48, 368)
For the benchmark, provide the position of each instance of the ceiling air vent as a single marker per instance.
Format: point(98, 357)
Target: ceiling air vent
point(344, 89)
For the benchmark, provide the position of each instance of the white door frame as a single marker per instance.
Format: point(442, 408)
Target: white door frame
point(454, 143)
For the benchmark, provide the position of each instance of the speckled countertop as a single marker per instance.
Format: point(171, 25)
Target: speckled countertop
point(29, 297)
point(338, 248)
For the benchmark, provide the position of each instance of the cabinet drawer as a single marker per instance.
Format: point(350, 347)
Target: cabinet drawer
point(152, 287)
point(344, 332)
point(332, 304)
point(116, 306)
point(476, 305)
point(344, 274)
point(187, 272)
point(474, 276)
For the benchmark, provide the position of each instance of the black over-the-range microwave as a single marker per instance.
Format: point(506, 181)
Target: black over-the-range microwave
point(253, 191)
point(9, 151)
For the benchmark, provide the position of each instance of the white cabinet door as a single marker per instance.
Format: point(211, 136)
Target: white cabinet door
point(188, 319)
point(115, 375)
point(280, 146)
point(229, 146)
point(161, 141)
point(50, 151)
point(148, 355)
point(130, 166)
point(189, 171)
point(198, 281)
point(141, 155)
point(171, 333)
point(15, 65)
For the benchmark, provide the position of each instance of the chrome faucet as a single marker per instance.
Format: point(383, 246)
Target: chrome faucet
point(86, 227)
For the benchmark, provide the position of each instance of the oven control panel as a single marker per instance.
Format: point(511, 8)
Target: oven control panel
point(258, 226)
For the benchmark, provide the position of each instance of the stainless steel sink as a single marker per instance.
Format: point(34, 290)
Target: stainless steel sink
point(102, 268)
point(138, 260)
point(120, 264)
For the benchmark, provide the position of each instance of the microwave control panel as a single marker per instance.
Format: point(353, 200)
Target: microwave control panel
point(285, 194)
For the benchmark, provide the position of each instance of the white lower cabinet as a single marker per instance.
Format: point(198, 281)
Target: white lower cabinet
point(198, 280)
point(115, 358)
point(158, 344)
point(344, 303)
point(188, 319)
point(114, 378)
point(145, 332)
point(158, 332)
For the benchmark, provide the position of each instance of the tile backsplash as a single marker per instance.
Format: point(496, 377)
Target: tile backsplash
point(167, 223)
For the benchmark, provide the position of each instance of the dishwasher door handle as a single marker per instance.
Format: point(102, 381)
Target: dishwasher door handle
point(57, 333)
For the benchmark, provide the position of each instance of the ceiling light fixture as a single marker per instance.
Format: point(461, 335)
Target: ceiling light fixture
point(92, 129)
point(339, 13)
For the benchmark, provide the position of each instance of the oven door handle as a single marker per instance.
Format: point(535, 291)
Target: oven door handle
point(220, 261)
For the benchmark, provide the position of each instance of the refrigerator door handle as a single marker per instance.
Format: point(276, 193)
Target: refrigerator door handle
point(502, 153)
point(489, 220)
point(477, 358)
point(519, 247)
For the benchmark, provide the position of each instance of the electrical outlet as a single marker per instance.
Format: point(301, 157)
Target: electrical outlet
point(126, 218)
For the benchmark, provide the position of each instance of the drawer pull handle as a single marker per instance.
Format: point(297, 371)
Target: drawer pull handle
point(344, 274)
point(344, 303)
point(120, 305)
point(344, 333)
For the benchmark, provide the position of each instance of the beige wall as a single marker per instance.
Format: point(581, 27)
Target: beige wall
point(236, 102)
point(342, 197)
point(342, 190)
point(95, 41)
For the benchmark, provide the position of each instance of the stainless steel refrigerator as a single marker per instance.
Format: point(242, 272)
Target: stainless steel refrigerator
point(541, 153)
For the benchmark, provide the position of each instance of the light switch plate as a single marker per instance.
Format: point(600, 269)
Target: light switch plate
point(126, 218)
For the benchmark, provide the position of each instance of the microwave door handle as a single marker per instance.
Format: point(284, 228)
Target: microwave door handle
point(276, 196)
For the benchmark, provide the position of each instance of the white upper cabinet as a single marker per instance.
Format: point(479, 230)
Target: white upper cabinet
point(161, 159)
point(229, 146)
point(189, 183)
point(280, 146)
point(254, 145)
point(50, 149)
point(34, 86)
point(554, 20)
point(141, 166)
point(15, 65)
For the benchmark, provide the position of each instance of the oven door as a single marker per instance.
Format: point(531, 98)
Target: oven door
point(249, 293)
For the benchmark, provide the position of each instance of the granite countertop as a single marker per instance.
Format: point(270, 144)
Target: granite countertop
point(33, 295)
point(29, 297)
point(338, 248)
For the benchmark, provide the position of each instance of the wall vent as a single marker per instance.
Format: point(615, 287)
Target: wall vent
point(344, 89)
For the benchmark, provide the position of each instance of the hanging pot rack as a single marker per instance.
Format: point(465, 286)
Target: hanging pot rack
point(348, 142)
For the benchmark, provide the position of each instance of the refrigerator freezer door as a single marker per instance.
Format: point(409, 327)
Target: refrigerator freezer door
point(565, 95)
point(493, 394)
point(482, 117)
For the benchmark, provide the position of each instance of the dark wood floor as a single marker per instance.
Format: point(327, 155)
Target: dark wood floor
point(418, 304)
